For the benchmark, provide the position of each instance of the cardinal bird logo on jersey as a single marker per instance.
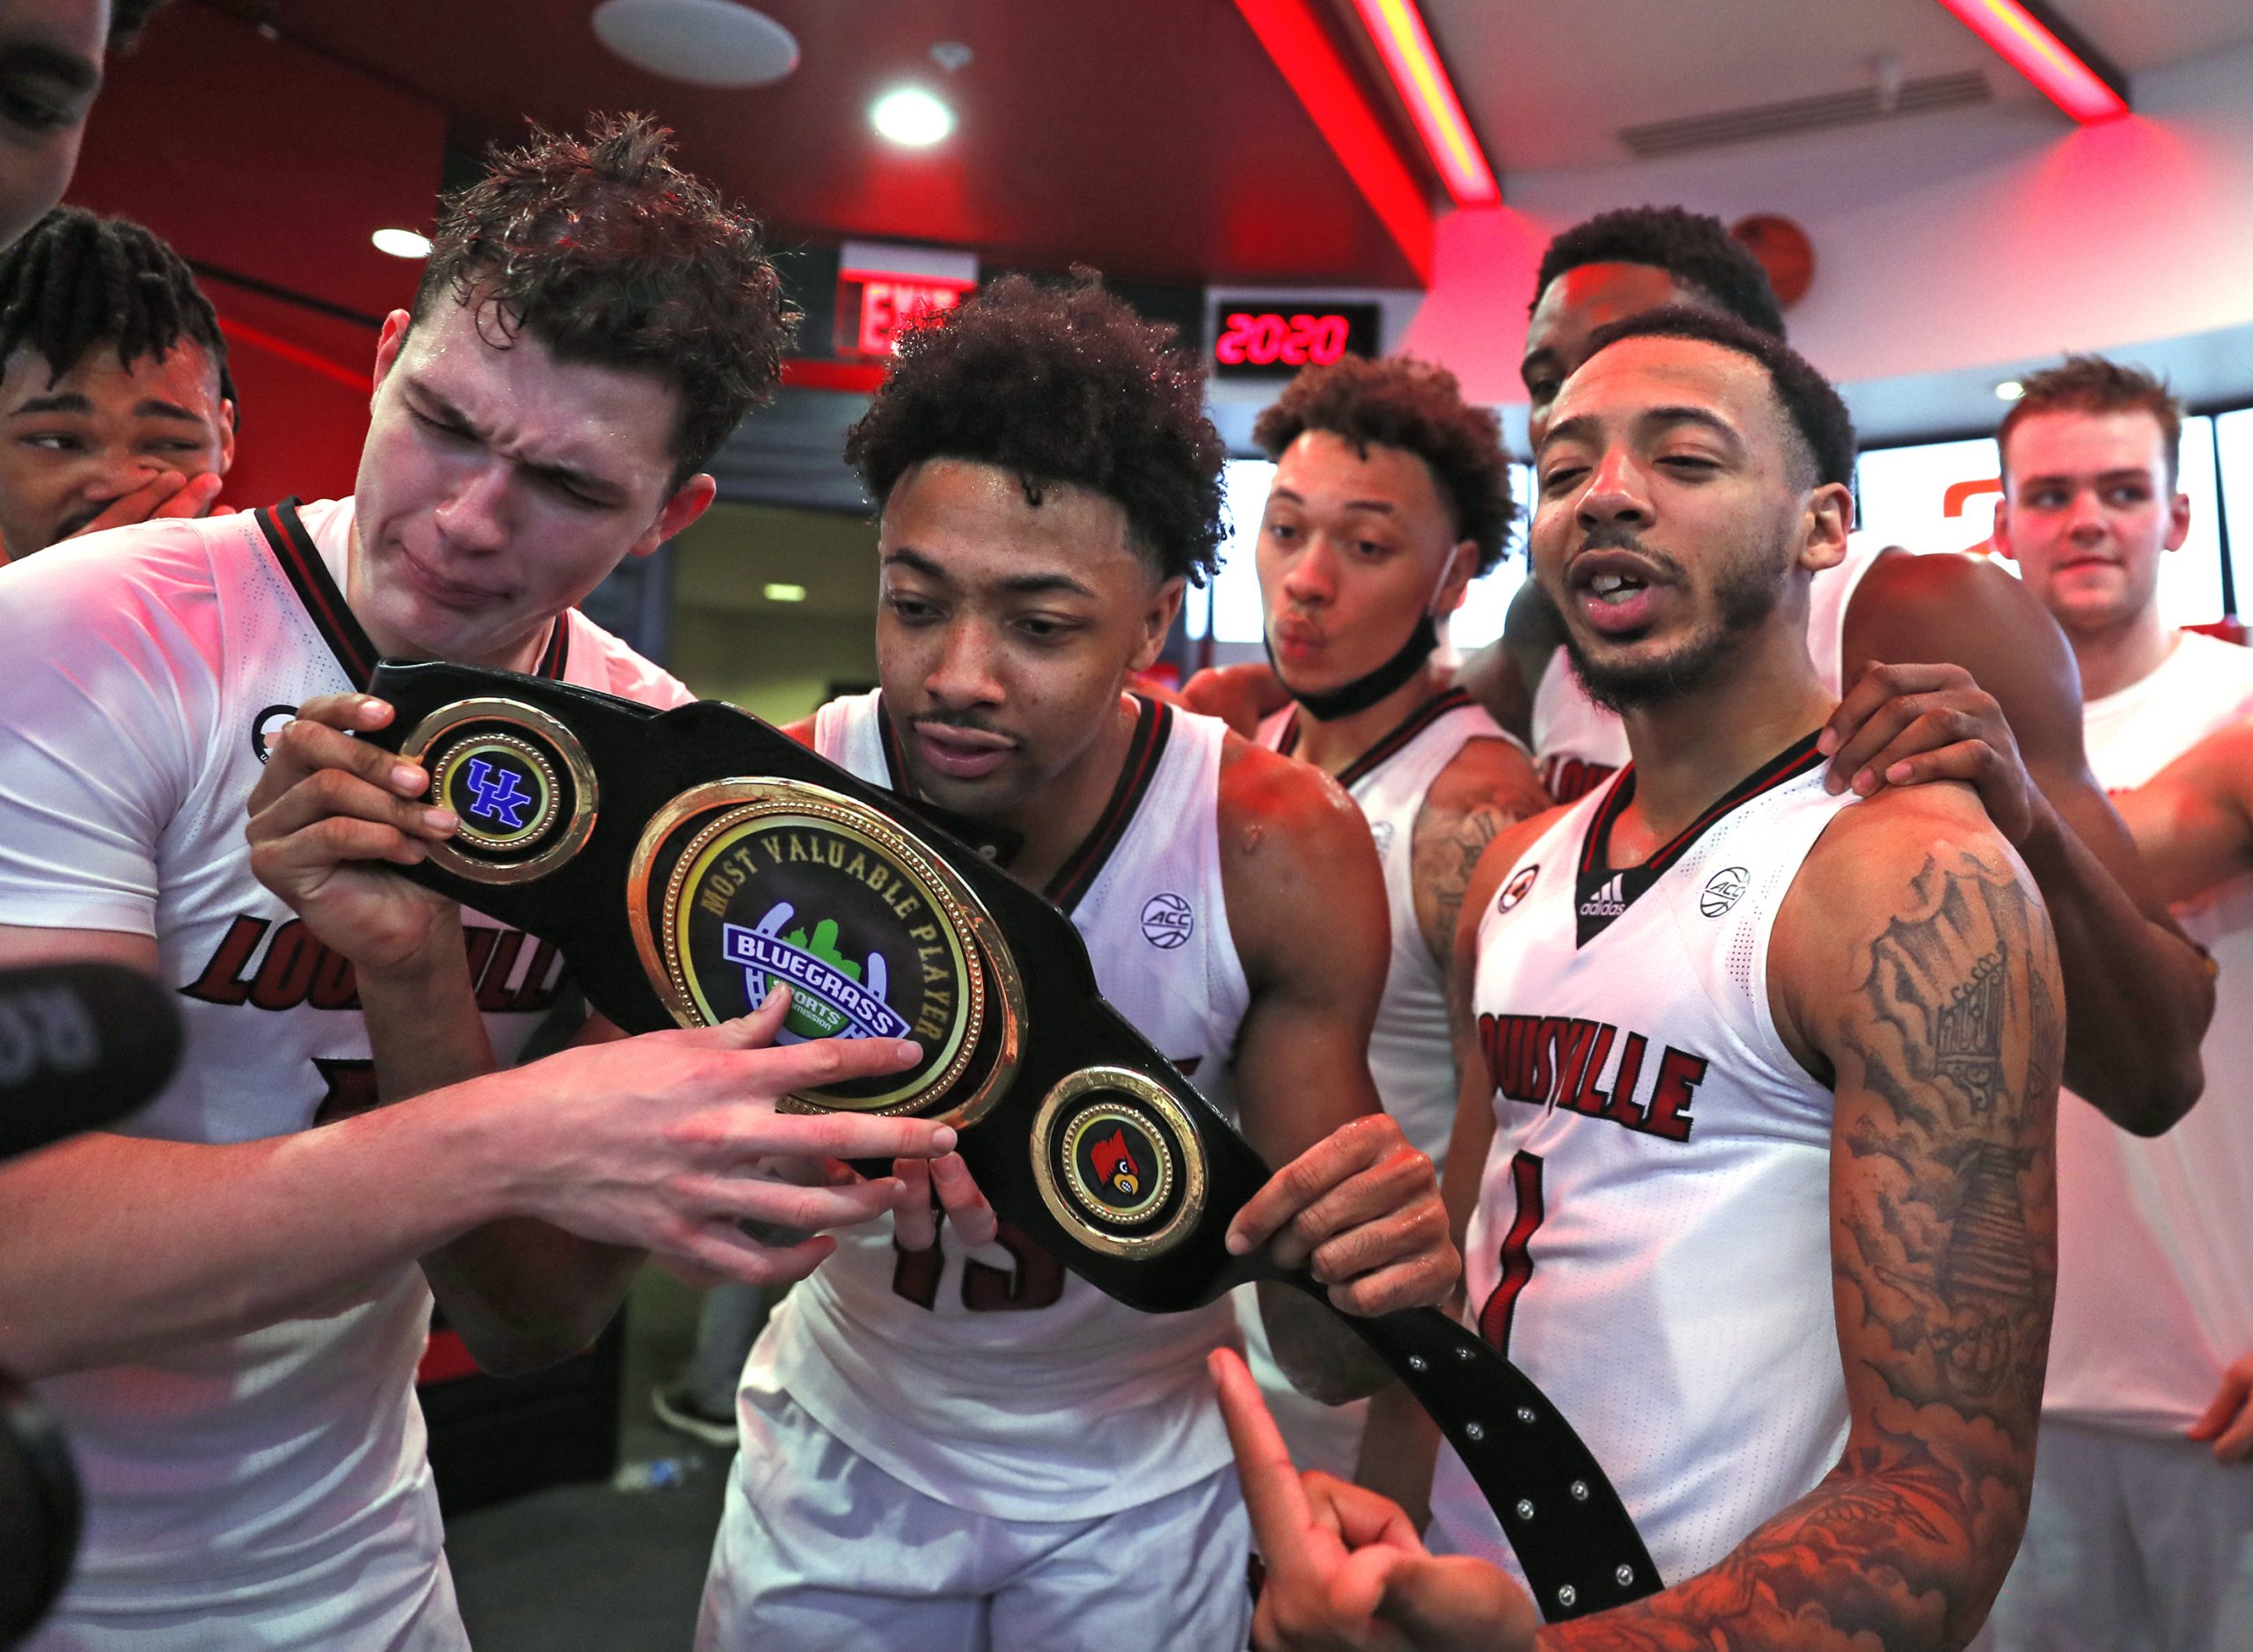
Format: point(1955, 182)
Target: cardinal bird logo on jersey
point(1115, 1164)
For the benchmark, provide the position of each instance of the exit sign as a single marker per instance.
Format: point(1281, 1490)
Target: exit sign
point(872, 307)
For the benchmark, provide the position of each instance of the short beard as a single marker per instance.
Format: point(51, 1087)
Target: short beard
point(1745, 595)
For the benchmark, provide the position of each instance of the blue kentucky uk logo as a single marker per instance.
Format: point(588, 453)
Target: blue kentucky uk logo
point(500, 797)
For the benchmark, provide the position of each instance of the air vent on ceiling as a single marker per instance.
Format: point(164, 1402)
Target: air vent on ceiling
point(1804, 115)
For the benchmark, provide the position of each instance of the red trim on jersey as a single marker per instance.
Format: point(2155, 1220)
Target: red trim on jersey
point(301, 563)
point(1388, 747)
point(1595, 865)
point(323, 604)
point(1153, 727)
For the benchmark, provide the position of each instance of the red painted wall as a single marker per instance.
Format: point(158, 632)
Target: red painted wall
point(258, 157)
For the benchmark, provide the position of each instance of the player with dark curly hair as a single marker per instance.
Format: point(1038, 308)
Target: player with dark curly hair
point(1049, 1465)
point(115, 404)
point(235, 1363)
point(1389, 495)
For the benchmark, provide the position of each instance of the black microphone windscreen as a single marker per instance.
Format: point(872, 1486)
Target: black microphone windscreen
point(80, 1045)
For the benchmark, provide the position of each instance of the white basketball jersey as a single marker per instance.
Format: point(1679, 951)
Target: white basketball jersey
point(2154, 1239)
point(1652, 1243)
point(267, 1489)
point(1577, 743)
point(993, 1379)
point(1411, 1057)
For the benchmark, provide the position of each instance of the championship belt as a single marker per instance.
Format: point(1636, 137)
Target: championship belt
point(684, 862)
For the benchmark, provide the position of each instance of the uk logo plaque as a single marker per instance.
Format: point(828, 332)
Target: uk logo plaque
point(686, 862)
point(518, 780)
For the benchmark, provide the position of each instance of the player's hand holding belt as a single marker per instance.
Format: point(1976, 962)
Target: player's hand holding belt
point(688, 861)
point(666, 1142)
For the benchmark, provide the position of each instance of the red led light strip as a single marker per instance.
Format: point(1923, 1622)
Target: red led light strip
point(2042, 48)
point(1334, 100)
point(1405, 45)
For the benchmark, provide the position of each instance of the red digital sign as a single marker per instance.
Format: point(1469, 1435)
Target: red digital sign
point(872, 307)
point(1263, 343)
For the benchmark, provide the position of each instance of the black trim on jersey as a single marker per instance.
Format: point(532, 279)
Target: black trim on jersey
point(1386, 749)
point(1388, 746)
point(317, 593)
point(996, 843)
point(333, 617)
point(1153, 727)
point(1601, 892)
point(555, 659)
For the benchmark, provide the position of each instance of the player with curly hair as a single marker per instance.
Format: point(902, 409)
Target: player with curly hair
point(222, 1303)
point(1391, 496)
point(116, 401)
point(948, 1440)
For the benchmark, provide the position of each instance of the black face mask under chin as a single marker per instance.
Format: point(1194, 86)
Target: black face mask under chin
point(1364, 691)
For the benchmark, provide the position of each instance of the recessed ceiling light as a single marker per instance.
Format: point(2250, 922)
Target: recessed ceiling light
point(402, 243)
point(2009, 390)
point(704, 43)
point(911, 116)
point(785, 593)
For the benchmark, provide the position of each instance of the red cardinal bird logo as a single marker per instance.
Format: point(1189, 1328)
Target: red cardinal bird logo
point(1115, 1164)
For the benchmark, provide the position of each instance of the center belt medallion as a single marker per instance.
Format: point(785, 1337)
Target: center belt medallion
point(741, 886)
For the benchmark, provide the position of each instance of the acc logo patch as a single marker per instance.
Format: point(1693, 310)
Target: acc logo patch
point(518, 782)
point(745, 885)
point(1723, 890)
point(1168, 921)
point(1118, 1162)
point(1514, 891)
point(1381, 834)
point(269, 722)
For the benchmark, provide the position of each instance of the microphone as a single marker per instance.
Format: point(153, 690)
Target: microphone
point(80, 1045)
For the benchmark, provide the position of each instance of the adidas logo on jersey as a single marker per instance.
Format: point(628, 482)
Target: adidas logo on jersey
point(1607, 902)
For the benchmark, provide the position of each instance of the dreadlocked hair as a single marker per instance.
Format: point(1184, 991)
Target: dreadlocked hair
point(77, 282)
point(603, 249)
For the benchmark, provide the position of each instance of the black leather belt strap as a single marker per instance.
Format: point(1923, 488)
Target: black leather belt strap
point(681, 860)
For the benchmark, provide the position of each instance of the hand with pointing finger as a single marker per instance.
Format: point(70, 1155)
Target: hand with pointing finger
point(1346, 1570)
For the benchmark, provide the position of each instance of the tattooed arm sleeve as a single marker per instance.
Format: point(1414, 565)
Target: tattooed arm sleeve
point(1935, 998)
point(1489, 787)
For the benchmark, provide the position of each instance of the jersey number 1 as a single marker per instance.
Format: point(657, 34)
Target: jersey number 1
point(1517, 1259)
point(1036, 1281)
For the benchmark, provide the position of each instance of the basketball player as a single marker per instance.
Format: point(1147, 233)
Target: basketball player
point(1390, 496)
point(51, 57)
point(2141, 1529)
point(2141, 996)
point(1049, 1467)
point(114, 412)
point(223, 1300)
point(1762, 1078)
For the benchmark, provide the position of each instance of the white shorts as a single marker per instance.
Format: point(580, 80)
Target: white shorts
point(821, 1551)
point(2133, 1544)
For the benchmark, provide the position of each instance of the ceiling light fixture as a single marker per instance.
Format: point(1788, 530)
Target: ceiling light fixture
point(715, 43)
point(2009, 390)
point(2044, 47)
point(911, 116)
point(1297, 39)
point(780, 592)
point(1421, 80)
point(402, 243)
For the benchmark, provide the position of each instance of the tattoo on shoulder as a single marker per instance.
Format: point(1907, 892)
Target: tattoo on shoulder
point(1951, 1047)
point(1447, 853)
